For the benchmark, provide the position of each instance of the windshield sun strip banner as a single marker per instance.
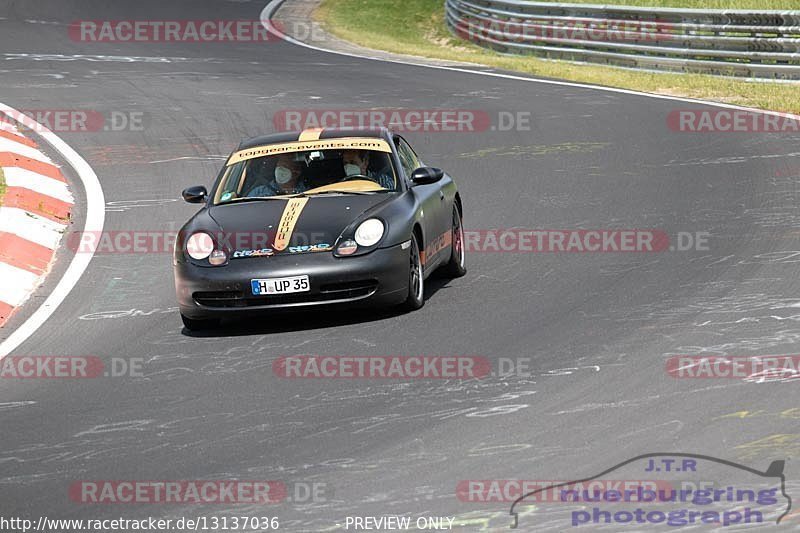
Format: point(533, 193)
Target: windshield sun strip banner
point(288, 221)
point(344, 143)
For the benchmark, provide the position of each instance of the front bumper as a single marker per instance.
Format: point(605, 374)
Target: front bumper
point(379, 278)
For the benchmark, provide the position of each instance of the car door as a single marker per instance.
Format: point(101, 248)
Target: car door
point(432, 200)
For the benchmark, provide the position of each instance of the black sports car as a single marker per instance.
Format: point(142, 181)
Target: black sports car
point(318, 217)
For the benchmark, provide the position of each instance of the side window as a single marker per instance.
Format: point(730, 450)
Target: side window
point(408, 158)
point(231, 181)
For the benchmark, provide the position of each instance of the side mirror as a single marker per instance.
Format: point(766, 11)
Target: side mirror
point(195, 195)
point(425, 175)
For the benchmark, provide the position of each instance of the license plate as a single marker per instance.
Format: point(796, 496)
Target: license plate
point(265, 287)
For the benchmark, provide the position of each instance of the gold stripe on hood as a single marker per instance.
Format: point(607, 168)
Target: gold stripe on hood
point(288, 221)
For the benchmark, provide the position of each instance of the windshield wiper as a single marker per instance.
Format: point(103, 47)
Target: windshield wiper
point(257, 199)
point(296, 195)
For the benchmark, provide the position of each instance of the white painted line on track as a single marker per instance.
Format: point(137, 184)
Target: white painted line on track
point(270, 9)
point(95, 219)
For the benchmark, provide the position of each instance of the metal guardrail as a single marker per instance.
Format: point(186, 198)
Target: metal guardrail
point(760, 44)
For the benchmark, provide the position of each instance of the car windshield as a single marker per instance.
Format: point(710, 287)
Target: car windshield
point(306, 172)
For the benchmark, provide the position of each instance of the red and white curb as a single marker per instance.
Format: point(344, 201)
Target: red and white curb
point(34, 214)
point(95, 217)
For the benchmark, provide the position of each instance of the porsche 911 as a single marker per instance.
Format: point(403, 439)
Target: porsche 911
point(321, 217)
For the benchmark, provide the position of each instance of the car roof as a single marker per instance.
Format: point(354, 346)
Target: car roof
point(316, 133)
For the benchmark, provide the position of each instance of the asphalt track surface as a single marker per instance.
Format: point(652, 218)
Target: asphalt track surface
point(596, 327)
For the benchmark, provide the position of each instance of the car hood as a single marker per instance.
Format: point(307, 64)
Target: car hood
point(252, 225)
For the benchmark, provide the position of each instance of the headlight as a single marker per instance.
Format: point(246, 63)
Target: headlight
point(369, 232)
point(200, 245)
point(217, 257)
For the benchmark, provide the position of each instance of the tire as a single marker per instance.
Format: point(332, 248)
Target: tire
point(416, 283)
point(199, 324)
point(455, 267)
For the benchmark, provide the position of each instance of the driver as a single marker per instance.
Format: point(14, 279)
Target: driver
point(287, 179)
point(356, 162)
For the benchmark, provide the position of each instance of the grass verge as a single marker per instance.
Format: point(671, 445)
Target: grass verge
point(2, 185)
point(417, 27)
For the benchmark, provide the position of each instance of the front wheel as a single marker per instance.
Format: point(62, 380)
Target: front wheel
point(199, 324)
point(416, 284)
point(456, 266)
